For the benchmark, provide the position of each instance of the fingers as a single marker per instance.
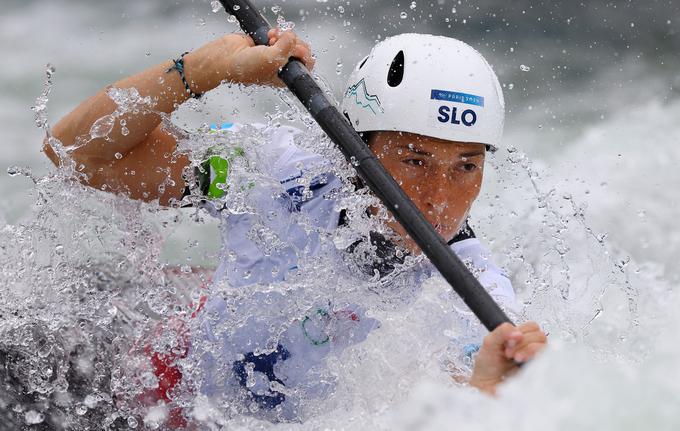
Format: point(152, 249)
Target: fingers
point(303, 52)
point(249, 40)
point(502, 337)
point(528, 352)
point(248, 64)
point(290, 45)
point(279, 53)
point(533, 341)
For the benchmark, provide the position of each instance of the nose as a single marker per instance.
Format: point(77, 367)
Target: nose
point(435, 197)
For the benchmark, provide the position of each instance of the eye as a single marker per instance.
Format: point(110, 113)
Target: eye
point(414, 162)
point(469, 167)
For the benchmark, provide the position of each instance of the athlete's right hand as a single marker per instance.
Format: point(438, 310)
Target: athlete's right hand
point(504, 348)
point(235, 58)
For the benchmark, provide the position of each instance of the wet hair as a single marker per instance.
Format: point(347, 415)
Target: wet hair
point(366, 136)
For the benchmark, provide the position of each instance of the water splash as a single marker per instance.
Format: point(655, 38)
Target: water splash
point(103, 305)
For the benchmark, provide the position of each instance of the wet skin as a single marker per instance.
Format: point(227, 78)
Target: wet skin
point(442, 178)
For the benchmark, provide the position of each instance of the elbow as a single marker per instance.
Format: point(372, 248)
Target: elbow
point(49, 151)
point(48, 142)
point(59, 136)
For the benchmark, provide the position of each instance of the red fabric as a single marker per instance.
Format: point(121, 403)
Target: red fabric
point(166, 369)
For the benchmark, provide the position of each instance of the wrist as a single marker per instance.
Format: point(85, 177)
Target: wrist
point(485, 385)
point(197, 73)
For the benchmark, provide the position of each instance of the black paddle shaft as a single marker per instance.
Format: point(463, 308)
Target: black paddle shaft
point(298, 79)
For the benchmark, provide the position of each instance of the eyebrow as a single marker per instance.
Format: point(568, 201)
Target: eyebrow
point(473, 154)
point(416, 150)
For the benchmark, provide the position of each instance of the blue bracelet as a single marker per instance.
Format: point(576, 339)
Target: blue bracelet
point(179, 67)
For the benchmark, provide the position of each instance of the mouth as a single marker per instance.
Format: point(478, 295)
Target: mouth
point(443, 229)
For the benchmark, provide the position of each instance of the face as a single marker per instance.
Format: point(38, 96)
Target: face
point(442, 178)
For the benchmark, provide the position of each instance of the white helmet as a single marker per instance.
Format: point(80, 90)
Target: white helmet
point(429, 85)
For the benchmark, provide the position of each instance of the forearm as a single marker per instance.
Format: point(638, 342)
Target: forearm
point(122, 148)
point(164, 90)
point(230, 58)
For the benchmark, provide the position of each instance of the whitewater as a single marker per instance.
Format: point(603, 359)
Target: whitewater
point(579, 207)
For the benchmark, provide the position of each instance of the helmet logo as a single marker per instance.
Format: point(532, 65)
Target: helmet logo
point(450, 114)
point(453, 96)
point(363, 98)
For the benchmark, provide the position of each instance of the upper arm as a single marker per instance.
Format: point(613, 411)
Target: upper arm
point(152, 170)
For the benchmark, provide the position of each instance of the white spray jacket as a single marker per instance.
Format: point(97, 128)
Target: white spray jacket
point(292, 208)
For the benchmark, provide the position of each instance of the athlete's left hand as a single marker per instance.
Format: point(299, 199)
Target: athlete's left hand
point(502, 350)
point(235, 58)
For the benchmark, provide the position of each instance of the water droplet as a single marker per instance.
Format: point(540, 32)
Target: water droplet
point(236, 7)
point(131, 420)
point(413, 5)
point(216, 6)
point(341, 9)
point(118, 156)
point(32, 417)
point(102, 127)
point(59, 249)
point(81, 409)
point(283, 24)
point(90, 401)
point(60, 385)
point(403, 15)
point(276, 9)
point(511, 86)
point(524, 68)
point(149, 380)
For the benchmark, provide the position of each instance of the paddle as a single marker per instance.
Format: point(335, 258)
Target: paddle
point(298, 79)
